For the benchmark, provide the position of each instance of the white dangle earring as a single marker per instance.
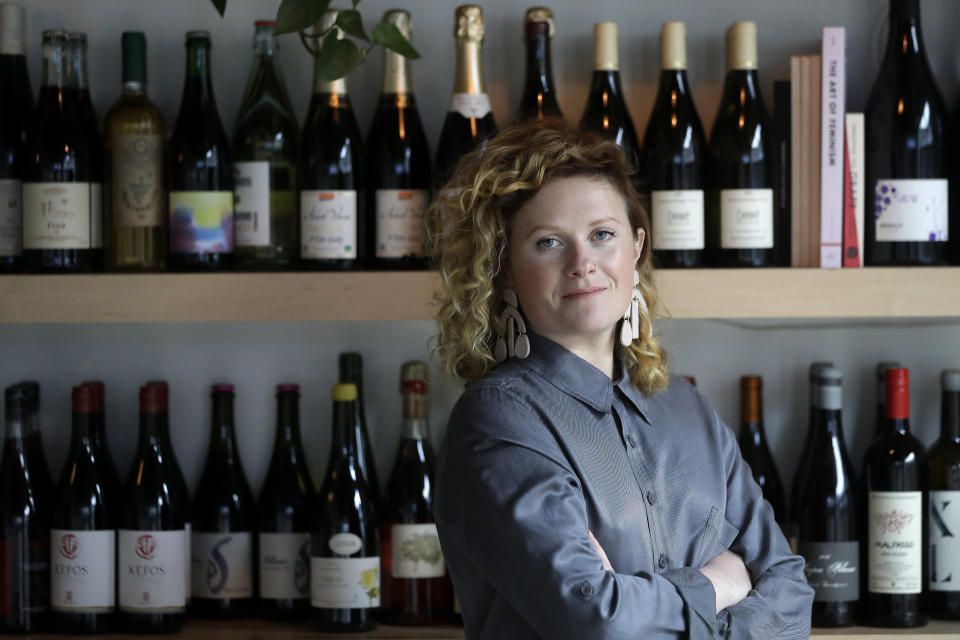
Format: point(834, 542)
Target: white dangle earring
point(512, 341)
point(630, 328)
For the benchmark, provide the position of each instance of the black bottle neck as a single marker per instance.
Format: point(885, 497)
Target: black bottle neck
point(154, 431)
point(827, 423)
point(343, 447)
point(54, 70)
point(905, 37)
point(752, 433)
point(673, 84)
point(539, 75)
point(741, 86)
point(950, 416)
point(353, 374)
point(198, 87)
point(896, 425)
point(223, 441)
point(287, 439)
point(86, 433)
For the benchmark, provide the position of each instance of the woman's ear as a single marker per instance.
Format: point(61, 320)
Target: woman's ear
point(638, 244)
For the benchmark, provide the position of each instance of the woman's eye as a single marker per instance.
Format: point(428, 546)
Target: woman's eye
point(603, 234)
point(547, 243)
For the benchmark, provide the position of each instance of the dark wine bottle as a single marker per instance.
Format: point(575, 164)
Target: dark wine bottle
point(333, 194)
point(828, 530)
point(265, 158)
point(905, 120)
point(740, 223)
point(469, 122)
point(26, 492)
point(880, 425)
point(894, 550)
point(539, 99)
point(753, 445)
point(152, 540)
point(16, 111)
point(345, 550)
point(675, 148)
point(199, 175)
point(285, 510)
point(943, 597)
point(351, 371)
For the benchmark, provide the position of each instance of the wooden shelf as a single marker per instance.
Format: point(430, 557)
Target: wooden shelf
point(392, 295)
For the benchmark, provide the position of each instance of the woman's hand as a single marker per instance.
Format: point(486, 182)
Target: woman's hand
point(600, 552)
point(730, 579)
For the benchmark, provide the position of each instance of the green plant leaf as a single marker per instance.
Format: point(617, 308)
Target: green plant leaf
point(220, 6)
point(337, 58)
point(387, 35)
point(352, 24)
point(295, 15)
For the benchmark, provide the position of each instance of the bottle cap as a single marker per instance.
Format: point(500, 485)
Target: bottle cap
point(413, 377)
point(13, 21)
point(344, 392)
point(77, 37)
point(950, 379)
point(134, 47)
point(827, 387)
point(898, 393)
point(539, 20)
point(288, 388)
point(154, 397)
point(400, 18)
point(742, 46)
point(221, 387)
point(100, 390)
point(198, 34)
point(265, 23)
point(750, 389)
point(84, 399)
point(605, 46)
point(816, 367)
point(882, 369)
point(351, 361)
point(22, 399)
point(58, 35)
point(468, 23)
point(673, 46)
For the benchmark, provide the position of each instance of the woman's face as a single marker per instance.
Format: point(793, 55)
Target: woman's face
point(572, 259)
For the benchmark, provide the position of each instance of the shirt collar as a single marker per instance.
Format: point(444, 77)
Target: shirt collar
point(570, 373)
point(636, 397)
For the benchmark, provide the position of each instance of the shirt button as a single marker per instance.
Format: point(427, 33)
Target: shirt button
point(651, 498)
point(663, 561)
point(631, 440)
point(587, 589)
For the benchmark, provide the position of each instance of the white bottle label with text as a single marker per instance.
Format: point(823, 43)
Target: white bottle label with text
point(11, 218)
point(222, 565)
point(895, 541)
point(56, 215)
point(328, 224)
point(944, 527)
point(400, 222)
point(746, 219)
point(416, 551)
point(677, 219)
point(911, 210)
point(345, 583)
point(96, 215)
point(285, 565)
point(252, 214)
point(470, 105)
point(82, 571)
point(151, 567)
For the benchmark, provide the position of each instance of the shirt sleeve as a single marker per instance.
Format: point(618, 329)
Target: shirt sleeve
point(508, 500)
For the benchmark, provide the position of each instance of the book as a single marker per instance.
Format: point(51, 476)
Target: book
point(854, 195)
point(782, 115)
point(832, 111)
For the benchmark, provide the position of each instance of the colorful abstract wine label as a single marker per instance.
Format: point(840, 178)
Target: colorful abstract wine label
point(221, 565)
point(911, 210)
point(201, 221)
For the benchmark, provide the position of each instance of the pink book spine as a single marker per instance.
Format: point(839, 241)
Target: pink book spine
point(833, 108)
point(851, 243)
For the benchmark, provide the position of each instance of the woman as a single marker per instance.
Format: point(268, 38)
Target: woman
point(581, 493)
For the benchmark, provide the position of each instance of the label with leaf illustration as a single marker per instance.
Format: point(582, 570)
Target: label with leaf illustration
point(416, 551)
point(895, 542)
point(345, 583)
point(137, 196)
point(221, 565)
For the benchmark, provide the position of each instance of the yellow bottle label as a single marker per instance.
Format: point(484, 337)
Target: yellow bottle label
point(201, 221)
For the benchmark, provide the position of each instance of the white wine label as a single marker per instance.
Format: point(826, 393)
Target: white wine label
point(677, 219)
point(911, 210)
point(56, 215)
point(201, 221)
point(345, 583)
point(252, 185)
point(895, 541)
point(285, 565)
point(470, 105)
point(151, 570)
point(833, 570)
point(137, 191)
point(944, 530)
point(188, 586)
point(11, 218)
point(221, 564)
point(400, 215)
point(328, 224)
point(416, 551)
point(746, 219)
point(82, 571)
point(96, 215)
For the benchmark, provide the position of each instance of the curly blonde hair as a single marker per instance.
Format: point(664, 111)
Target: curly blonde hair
point(470, 228)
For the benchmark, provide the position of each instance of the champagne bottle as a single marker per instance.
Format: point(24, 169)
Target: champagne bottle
point(16, 111)
point(345, 551)
point(285, 509)
point(199, 174)
point(265, 157)
point(753, 444)
point(880, 424)
point(469, 122)
point(740, 224)
point(333, 196)
point(133, 131)
point(675, 149)
point(399, 164)
point(894, 550)
point(351, 371)
point(539, 99)
point(943, 598)
point(905, 120)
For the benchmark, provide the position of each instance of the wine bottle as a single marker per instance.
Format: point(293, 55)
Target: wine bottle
point(894, 550)
point(25, 499)
point(151, 536)
point(905, 120)
point(351, 371)
point(223, 524)
point(285, 509)
point(675, 148)
point(265, 157)
point(469, 122)
point(539, 99)
point(399, 164)
point(943, 598)
point(16, 111)
point(333, 196)
point(133, 132)
point(880, 424)
point(753, 445)
point(740, 223)
point(84, 521)
point(345, 550)
point(415, 585)
point(199, 174)
point(828, 530)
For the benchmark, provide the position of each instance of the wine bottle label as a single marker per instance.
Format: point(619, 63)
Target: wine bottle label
point(328, 224)
point(944, 544)
point(151, 567)
point(678, 219)
point(894, 529)
point(56, 215)
point(24, 576)
point(201, 221)
point(96, 215)
point(252, 185)
point(416, 551)
point(221, 564)
point(345, 583)
point(11, 218)
point(833, 570)
point(187, 582)
point(911, 210)
point(470, 105)
point(285, 565)
point(400, 222)
point(82, 571)
point(746, 219)
point(137, 195)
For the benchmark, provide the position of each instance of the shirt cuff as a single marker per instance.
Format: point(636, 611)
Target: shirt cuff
point(701, 602)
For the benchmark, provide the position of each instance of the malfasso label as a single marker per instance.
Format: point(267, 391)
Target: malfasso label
point(328, 224)
point(400, 222)
point(82, 570)
point(345, 583)
point(221, 565)
point(11, 218)
point(894, 542)
point(678, 219)
point(944, 530)
point(746, 219)
point(470, 105)
point(57, 215)
point(833, 570)
point(151, 566)
point(911, 211)
point(201, 221)
point(416, 551)
point(137, 181)
point(285, 565)
point(252, 185)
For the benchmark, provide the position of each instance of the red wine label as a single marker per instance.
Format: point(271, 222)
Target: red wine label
point(677, 219)
point(345, 583)
point(470, 105)
point(328, 224)
point(746, 219)
point(400, 222)
point(833, 570)
point(82, 571)
point(11, 218)
point(252, 186)
point(895, 541)
point(151, 570)
point(221, 565)
point(944, 527)
point(57, 215)
point(911, 210)
point(416, 551)
point(137, 191)
point(285, 565)
point(201, 221)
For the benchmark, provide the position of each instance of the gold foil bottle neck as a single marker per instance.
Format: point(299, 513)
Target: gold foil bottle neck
point(396, 68)
point(605, 56)
point(400, 18)
point(673, 46)
point(468, 23)
point(742, 46)
point(468, 29)
point(326, 23)
point(541, 14)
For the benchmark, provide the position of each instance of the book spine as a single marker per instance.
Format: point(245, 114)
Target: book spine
point(855, 142)
point(782, 116)
point(851, 245)
point(833, 107)
point(796, 161)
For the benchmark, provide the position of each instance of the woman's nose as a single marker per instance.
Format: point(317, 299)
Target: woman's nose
point(582, 262)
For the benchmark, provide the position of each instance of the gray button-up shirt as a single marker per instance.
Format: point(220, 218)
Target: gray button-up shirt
point(544, 449)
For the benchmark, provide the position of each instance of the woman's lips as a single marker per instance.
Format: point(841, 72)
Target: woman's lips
point(584, 293)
